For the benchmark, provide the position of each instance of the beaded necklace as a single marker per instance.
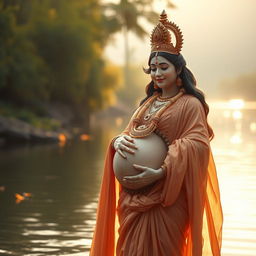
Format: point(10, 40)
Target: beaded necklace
point(145, 130)
point(154, 107)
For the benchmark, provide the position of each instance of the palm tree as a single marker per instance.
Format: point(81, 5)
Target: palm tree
point(125, 15)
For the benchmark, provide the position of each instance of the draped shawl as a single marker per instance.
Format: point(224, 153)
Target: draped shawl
point(190, 165)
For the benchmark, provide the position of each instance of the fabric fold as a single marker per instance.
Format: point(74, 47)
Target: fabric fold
point(103, 242)
point(182, 213)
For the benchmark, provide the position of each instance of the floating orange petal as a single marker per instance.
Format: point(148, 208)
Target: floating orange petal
point(62, 137)
point(19, 198)
point(27, 194)
point(85, 137)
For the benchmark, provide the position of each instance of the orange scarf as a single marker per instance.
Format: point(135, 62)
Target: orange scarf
point(190, 162)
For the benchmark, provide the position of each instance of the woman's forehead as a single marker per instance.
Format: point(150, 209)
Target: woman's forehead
point(159, 60)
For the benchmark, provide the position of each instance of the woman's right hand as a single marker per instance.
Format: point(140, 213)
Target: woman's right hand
point(124, 143)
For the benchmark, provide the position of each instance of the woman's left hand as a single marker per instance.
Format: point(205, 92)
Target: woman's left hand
point(147, 176)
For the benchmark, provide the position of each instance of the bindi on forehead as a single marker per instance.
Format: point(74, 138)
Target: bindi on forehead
point(159, 64)
point(158, 60)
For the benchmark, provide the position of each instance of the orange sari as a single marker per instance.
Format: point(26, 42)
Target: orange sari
point(181, 215)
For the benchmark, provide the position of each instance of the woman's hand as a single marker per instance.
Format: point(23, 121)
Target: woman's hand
point(147, 176)
point(124, 143)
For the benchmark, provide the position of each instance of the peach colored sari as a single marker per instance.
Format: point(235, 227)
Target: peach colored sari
point(181, 215)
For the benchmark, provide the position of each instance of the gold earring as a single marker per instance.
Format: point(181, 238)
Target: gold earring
point(155, 86)
point(179, 82)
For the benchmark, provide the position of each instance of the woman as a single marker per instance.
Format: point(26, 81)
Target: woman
point(175, 209)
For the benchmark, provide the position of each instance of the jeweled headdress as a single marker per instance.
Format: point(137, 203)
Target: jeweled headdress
point(161, 40)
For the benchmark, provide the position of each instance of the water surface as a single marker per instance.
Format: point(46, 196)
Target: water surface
point(59, 217)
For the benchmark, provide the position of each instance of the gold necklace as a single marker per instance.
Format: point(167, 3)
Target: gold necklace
point(139, 131)
point(159, 103)
point(164, 99)
point(151, 112)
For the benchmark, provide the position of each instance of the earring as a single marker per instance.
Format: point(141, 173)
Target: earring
point(179, 82)
point(155, 86)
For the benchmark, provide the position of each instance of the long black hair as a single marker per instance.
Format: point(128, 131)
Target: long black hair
point(188, 81)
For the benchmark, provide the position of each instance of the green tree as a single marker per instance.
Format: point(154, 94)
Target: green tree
point(72, 48)
point(20, 67)
point(126, 15)
point(52, 50)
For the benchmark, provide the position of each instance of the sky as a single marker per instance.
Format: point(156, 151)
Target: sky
point(219, 39)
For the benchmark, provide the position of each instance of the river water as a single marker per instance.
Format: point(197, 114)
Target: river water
point(57, 216)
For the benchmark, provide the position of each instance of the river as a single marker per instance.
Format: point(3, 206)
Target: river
point(57, 215)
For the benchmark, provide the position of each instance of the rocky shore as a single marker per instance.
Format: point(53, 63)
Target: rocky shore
point(13, 130)
point(16, 131)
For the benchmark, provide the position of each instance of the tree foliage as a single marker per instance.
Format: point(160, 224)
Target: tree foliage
point(126, 15)
point(20, 67)
point(52, 50)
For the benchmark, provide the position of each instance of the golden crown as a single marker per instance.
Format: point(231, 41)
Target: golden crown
point(161, 40)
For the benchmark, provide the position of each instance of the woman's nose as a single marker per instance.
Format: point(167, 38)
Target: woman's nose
point(158, 73)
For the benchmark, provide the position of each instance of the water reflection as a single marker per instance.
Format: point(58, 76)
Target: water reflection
point(59, 217)
point(235, 155)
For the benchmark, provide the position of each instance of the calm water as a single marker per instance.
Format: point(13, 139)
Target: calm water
point(59, 217)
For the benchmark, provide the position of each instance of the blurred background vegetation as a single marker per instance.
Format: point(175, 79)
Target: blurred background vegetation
point(51, 51)
point(52, 61)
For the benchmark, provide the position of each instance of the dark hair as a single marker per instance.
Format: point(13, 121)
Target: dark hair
point(188, 81)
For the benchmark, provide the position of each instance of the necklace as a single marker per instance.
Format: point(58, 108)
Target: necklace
point(139, 131)
point(157, 104)
point(164, 99)
point(153, 108)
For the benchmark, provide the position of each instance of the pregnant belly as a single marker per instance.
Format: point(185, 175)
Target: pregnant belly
point(151, 152)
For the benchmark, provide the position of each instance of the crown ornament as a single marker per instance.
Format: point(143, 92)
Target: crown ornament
point(161, 40)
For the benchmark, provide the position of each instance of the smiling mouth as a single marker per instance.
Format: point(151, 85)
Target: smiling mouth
point(160, 80)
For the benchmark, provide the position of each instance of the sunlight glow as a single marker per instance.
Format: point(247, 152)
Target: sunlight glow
point(236, 139)
point(233, 104)
point(227, 114)
point(236, 104)
point(237, 114)
point(253, 127)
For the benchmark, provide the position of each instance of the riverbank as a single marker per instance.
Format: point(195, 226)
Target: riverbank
point(56, 123)
point(13, 130)
point(48, 123)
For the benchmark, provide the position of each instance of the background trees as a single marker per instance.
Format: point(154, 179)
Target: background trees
point(127, 16)
point(52, 51)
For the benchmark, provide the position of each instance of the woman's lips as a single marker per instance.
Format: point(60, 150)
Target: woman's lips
point(159, 80)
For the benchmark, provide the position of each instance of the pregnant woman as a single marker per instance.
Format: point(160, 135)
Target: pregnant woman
point(159, 194)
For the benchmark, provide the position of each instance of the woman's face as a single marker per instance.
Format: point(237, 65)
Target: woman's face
point(163, 72)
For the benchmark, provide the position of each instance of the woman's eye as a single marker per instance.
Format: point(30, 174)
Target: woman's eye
point(162, 68)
